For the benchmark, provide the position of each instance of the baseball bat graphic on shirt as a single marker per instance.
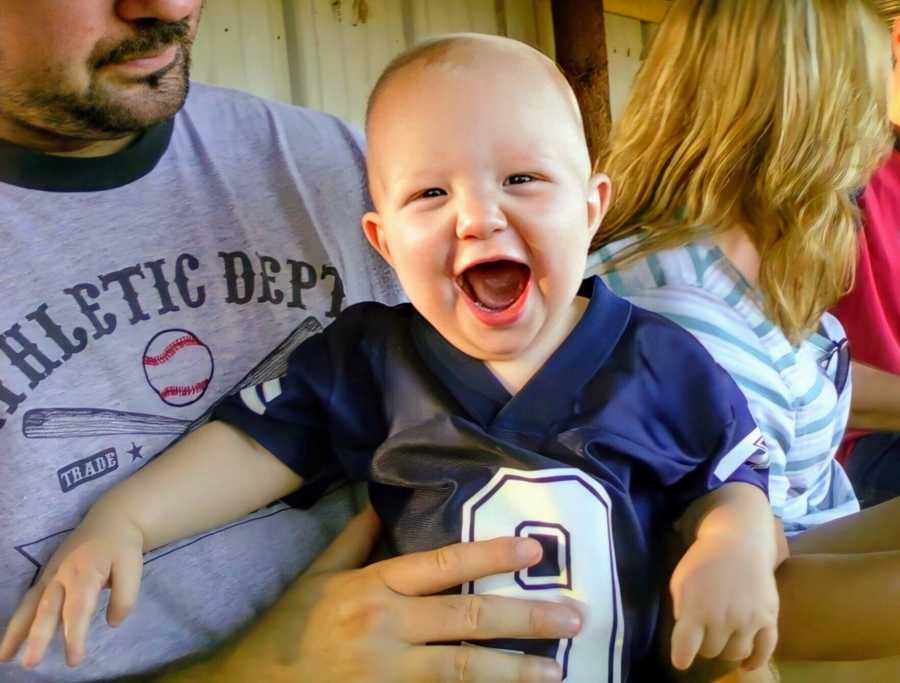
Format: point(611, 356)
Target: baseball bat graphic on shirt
point(66, 423)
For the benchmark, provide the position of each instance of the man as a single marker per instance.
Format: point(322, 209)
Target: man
point(153, 263)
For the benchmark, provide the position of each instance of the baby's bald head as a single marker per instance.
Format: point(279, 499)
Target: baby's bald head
point(474, 51)
point(478, 66)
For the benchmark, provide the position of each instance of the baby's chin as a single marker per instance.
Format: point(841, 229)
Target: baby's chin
point(495, 346)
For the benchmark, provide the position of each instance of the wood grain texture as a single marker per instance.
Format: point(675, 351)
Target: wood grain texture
point(581, 53)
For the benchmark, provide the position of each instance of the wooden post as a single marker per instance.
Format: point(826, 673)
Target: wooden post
point(581, 53)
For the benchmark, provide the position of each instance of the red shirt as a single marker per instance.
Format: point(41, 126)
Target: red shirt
point(871, 311)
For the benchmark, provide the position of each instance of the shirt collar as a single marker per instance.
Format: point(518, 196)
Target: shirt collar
point(467, 379)
point(33, 170)
point(552, 394)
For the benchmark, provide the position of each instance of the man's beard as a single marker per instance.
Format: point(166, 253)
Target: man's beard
point(103, 112)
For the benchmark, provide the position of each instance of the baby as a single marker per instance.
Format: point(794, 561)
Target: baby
point(509, 398)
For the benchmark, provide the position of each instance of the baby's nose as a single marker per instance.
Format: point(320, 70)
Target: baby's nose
point(479, 218)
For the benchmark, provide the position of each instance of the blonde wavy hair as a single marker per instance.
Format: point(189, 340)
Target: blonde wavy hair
point(771, 114)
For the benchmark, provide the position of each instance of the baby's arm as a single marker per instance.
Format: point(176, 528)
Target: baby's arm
point(724, 595)
point(214, 475)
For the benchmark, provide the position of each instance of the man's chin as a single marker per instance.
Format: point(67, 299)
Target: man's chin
point(139, 110)
point(132, 106)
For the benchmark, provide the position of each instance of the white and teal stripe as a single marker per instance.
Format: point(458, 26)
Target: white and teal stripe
point(792, 397)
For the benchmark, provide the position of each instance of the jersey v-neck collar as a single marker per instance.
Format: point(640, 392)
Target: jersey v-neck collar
point(553, 392)
point(33, 170)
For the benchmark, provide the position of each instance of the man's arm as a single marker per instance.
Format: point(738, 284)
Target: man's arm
point(338, 623)
point(875, 403)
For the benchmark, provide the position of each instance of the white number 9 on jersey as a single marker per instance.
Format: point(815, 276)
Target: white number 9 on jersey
point(568, 512)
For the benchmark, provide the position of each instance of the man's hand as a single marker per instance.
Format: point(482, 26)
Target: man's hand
point(339, 624)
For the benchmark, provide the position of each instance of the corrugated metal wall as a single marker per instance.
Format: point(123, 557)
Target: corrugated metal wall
point(624, 49)
point(326, 54)
point(243, 44)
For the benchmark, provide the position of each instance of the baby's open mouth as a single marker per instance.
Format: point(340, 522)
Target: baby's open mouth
point(495, 285)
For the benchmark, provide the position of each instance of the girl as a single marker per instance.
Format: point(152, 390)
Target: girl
point(751, 127)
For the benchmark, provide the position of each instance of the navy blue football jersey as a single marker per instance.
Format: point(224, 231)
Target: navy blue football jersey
point(596, 457)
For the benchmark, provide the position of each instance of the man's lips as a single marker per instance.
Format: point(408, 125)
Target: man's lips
point(150, 63)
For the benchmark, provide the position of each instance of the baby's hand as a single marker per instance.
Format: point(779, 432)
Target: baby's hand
point(100, 553)
point(725, 603)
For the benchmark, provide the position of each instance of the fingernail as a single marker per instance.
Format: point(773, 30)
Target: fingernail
point(560, 621)
point(528, 550)
point(569, 622)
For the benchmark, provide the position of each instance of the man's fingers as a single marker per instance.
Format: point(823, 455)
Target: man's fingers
point(352, 547)
point(763, 649)
point(78, 608)
point(43, 628)
point(480, 617)
point(125, 580)
point(446, 664)
point(17, 629)
point(437, 570)
point(687, 636)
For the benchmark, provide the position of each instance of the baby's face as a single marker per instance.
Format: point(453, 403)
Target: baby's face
point(485, 205)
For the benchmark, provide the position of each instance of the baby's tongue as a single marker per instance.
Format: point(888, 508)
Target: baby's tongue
point(497, 285)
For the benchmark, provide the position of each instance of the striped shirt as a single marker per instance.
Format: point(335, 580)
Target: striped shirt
point(791, 390)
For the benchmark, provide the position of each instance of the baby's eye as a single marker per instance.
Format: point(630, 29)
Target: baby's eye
point(519, 179)
point(432, 192)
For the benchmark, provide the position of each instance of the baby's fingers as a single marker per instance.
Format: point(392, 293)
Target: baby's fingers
point(44, 626)
point(79, 607)
point(17, 629)
point(126, 581)
point(763, 648)
point(687, 636)
point(739, 646)
point(715, 638)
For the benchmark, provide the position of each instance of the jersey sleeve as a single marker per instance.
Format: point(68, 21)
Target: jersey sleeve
point(748, 365)
point(740, 453)
point(727, 442)
point(688, 422)
point(323, 415)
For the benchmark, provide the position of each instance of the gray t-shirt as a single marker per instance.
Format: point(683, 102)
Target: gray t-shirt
point(137, 291)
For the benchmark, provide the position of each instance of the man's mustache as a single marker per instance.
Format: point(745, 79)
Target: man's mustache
point(153, 37)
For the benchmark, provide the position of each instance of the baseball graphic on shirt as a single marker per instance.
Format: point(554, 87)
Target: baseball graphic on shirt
point(178, 367)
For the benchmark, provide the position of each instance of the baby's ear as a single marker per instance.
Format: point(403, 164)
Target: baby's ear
point(374, 231)
point(598, 198)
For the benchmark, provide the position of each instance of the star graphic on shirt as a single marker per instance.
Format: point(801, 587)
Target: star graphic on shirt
point(135, 452)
